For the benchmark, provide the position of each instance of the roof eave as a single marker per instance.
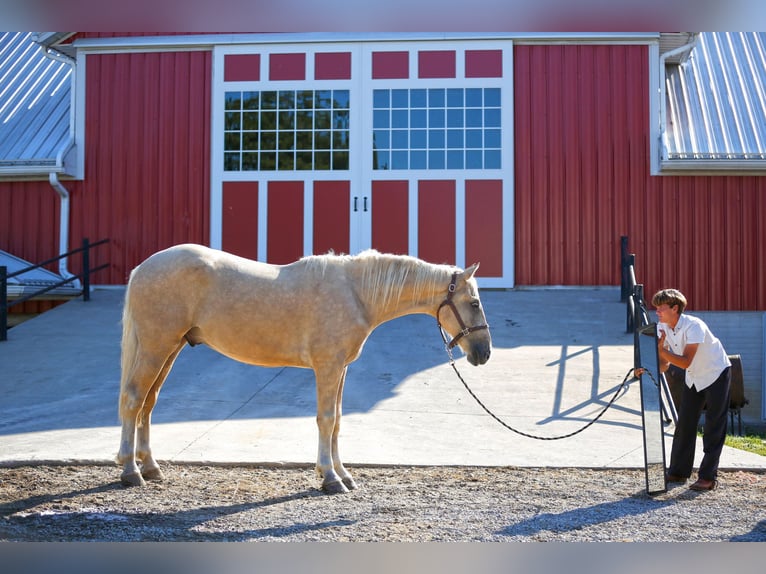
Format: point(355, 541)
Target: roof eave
point(713, 167)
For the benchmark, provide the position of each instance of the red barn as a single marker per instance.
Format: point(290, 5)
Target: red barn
point(531, 153)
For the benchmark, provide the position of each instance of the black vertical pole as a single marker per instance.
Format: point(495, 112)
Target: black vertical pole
point(624, 288)
point(85, 269)
point(3, 303)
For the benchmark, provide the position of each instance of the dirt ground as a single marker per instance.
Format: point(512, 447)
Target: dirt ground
point(413, 504)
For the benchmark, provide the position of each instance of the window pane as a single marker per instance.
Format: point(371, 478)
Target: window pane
point(231, 141)
point(473, 138)
point(250, 121)
point(473, 97)
point(231, 161)
point(436, 119)
point(286, 100)
point(455, 139)
point(233, 101)
point(436, 98)
point(286, 161)
point(455, 98)
point(437, 138)
point(473, 159)
point(305, 100)
point(340, 160)
point(322, 141)
point(399, 159)
point(340, 139)
point(304, 160)
point(455, 118)
point(380, 160)
point(286, 141)
point(492, 159)
point(400, 98)
point(322, 120)
point(268, 120)
point(286, 120)
point(250, 141)
point(340, 99)
point(381, 119)
point(418, 139)
point(418, 160)
point(492, 97)
point(305, 120)
point(340, 120)
point(250, 100)
point(268, 100)
point(454, 159)
point(322, 160)
point(436, 159)
point(492, 138)
point(473, 118)
point(232, 121)
point(418, 118)
point(381, 139)
point(381, 99)
point(323, 99)
point(418, 98)
point(304, 140)
point(268, 161)
point(399, 139)
point(492, 118)
point(268, 140)
point(400, 118)
point(249, 162)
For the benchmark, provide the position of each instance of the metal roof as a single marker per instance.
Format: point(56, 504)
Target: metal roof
point(716, 104)
point(35, 93)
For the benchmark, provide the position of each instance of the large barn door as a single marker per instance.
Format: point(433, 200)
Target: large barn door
point(403, 147)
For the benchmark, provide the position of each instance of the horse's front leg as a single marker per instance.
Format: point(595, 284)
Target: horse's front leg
point(329, 395)
point(344, 474)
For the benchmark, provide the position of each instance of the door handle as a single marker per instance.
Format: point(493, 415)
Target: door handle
point(356, 200)
point(365, 203)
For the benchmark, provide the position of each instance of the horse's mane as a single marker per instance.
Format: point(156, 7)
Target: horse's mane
point(383, 277)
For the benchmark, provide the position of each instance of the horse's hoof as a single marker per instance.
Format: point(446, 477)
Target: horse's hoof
point(350, 483)
point(132, 479)
point(153, 473)
point(336, 487)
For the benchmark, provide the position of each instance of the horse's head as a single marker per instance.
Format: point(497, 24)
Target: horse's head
point(462, 316)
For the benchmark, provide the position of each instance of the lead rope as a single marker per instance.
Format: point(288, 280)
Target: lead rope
point(510, 428)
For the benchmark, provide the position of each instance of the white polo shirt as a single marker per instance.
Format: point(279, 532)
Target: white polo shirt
point(711, 358)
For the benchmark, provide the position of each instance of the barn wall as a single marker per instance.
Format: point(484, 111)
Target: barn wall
point(147, 166)
point(582, 181)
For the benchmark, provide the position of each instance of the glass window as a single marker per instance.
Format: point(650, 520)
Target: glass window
point(290, 130)
point(440, 128)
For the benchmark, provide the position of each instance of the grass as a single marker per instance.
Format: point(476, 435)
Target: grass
point(750, 442)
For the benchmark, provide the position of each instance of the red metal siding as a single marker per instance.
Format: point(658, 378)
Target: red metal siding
point(147, 152)
point(582, 181)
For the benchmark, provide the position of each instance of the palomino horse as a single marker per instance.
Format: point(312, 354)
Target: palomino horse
point(315, 313)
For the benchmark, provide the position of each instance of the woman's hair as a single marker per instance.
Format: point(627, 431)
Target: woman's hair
point(670, 297)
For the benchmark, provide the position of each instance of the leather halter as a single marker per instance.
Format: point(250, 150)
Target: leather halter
point(451, 304)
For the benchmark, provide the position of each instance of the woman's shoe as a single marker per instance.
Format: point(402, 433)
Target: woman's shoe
point(703, 484)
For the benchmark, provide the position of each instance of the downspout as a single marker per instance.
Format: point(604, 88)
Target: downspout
point(53, 176)
point(663, 91)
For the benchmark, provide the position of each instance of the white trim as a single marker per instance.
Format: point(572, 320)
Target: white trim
point(656, 101)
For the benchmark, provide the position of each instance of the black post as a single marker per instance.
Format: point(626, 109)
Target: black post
point(3, 303)
point(85, 269)
point(624, 287)
point(638, 299)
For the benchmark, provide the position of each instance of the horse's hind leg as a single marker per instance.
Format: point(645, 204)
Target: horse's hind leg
point(150, 470)
point(139, 388)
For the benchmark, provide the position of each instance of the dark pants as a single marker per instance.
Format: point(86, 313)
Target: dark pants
point(715, 399)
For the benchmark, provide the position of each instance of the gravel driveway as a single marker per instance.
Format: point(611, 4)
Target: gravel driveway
point(490, 504)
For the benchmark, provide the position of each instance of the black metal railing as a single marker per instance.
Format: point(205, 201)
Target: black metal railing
point(87, 271)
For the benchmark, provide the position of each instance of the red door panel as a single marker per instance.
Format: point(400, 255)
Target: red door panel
point(285, 222)
point(436, 221)
point(390, 216)
point(331, 216)
point(484, 226)
point(240, 218)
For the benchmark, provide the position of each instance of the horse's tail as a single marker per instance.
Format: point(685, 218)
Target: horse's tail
point(129, 349)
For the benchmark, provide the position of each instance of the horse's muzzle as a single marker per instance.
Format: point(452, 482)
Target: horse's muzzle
point(479, 354)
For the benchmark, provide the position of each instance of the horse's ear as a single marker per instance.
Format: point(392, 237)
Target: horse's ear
point(468, 273)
